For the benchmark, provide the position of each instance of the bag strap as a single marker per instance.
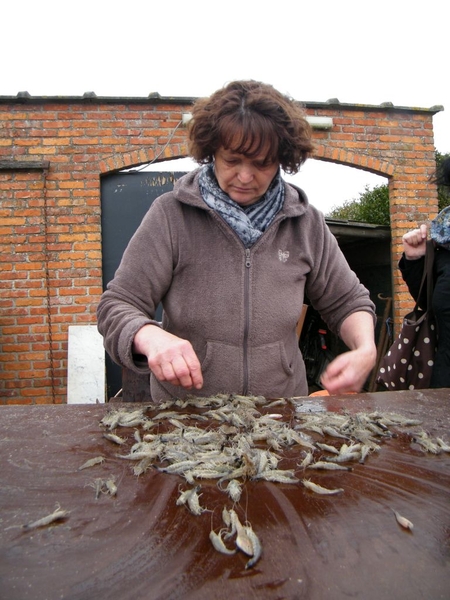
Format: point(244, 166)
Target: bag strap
point(427, 275)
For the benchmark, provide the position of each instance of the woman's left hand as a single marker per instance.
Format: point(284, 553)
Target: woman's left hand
point(349, 371)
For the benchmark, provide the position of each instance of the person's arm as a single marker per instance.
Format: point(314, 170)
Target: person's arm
point(412, 262)
point(349, 371)
point(144, 276)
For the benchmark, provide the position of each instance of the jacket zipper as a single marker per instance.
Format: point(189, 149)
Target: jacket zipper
point(246, 318)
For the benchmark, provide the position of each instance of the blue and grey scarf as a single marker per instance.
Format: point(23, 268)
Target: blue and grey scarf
point(440, 228)
point(248, 222)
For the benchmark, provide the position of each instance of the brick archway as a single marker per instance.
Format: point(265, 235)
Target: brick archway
point(141, 157)
point(53, 152)
point(342, 156)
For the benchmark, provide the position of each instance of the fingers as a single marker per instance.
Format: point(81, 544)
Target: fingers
point(336, 384)
point(416, 236)
point(184, 371)
point(181, 368)
point(195, 371)
point(341, 376)
point(413, 238)
point(414, 242)
point(166, 372)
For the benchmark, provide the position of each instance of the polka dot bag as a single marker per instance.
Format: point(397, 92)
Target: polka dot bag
point(408, 364)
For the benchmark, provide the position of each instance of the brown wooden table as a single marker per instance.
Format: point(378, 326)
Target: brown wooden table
point(140, 545)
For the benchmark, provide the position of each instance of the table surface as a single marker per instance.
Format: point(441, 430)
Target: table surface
point(140, 544)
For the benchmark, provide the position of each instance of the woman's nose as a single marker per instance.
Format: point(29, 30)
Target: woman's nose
point(245, 174)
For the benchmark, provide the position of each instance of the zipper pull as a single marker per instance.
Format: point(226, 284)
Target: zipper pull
point(247, 258)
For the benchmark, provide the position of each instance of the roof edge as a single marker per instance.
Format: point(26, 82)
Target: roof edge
point(155, 98)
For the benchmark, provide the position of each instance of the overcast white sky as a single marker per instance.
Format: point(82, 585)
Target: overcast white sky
point(313, 51)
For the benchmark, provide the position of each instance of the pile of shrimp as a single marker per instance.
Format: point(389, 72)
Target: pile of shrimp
point(232, 439)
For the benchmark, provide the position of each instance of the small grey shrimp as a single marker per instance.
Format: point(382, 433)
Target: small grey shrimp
point(234, 490)
point(333, 432)
point(189, 476)
point(92, 462)
point(144, 465)
point(300, 439)
point(256, 545)
point(214, 473)
point(426, 442)
point(111, 420)
point(136, 455)
point(233, 524)
point(236, 420)
point(318, 489)
point(443, 445)
point(146, 425)
point(184, 495)
point(243, 541)
point(166, 414)
point(179, 467)
point(403, 521)
point(311, 427)
point(97, 484)
point(226, 517)
point(307, 460)
point(193, 503)
point(56, 515)
point(345, 457)
point(279, 476)
point(112, 437)
point(329, 466)
point(273, 442)
point(365, 451)
point(111, 487)
point(327, 448)
point(279, 402)
point(218, 543)
point(352, 448)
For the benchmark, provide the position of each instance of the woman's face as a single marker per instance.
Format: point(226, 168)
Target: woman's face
point(244, 179)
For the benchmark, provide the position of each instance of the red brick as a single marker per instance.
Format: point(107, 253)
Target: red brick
point(84, 141)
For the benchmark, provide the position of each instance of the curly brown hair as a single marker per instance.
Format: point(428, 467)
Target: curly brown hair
point(248, 117)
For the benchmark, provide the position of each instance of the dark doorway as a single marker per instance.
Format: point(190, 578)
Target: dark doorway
point(125, 198)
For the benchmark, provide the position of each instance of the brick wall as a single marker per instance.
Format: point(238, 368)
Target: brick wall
point(53, 152)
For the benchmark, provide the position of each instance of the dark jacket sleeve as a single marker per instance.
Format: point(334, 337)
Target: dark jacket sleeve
point(412, 271)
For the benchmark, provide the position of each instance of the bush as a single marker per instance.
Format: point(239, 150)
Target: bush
point(372, 206)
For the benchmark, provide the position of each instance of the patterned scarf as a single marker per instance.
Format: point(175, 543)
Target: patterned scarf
point(248, 222)
point(440, 228)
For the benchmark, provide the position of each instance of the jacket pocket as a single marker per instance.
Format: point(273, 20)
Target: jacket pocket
point(222, 369)
point(271, 374)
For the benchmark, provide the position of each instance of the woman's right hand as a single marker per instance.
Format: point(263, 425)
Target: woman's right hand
point(415, 243)
point(170, 358)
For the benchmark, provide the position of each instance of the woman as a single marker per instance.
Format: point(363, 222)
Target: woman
point(411, 266)
point(230, 254)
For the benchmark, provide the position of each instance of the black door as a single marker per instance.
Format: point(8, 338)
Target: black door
point(125, 198)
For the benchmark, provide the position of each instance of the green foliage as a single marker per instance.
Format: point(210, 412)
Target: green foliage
point(372, 206)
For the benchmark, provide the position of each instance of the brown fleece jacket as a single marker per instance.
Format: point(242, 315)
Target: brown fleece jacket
point(237, 307)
